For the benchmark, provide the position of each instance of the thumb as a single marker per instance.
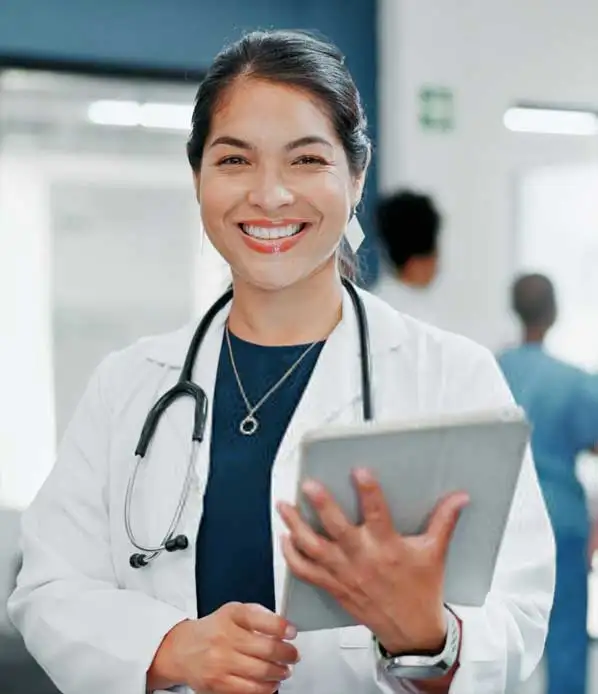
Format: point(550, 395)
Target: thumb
point(444, 518)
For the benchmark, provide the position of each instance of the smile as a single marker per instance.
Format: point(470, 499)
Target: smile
point(268, 238)
point(272, 233)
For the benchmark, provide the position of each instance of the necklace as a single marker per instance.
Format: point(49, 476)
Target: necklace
point(250, 424)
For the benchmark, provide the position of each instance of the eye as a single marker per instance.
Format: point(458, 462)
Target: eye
point(233, 160)
point(310, 159)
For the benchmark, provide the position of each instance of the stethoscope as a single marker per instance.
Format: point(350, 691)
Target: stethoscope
point(186, 387)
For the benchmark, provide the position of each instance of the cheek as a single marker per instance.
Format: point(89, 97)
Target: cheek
point(332, 185)
point(331, 195)
point(219, 194)
point(213, 204)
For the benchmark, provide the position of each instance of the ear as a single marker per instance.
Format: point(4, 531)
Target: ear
point(196, 179)
point(358, 185)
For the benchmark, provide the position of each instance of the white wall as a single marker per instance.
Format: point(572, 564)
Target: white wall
point(566, 198)
point(491, 54)
point(27, 425)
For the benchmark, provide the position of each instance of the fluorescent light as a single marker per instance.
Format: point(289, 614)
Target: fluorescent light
point(551, 121)
point(173, 116)
point(148, 115)
point(123, 113)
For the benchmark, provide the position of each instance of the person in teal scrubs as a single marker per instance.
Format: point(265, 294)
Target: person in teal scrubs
point(561, 402)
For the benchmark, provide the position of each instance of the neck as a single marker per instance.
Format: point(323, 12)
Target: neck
point(405, 279)
point(534, 335)
point(414, 274)
point(307, 311)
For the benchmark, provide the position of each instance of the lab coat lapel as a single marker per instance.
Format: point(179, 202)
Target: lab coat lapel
point(332, 395)
point(204, 374)
point(178, 418)
point(175, 577)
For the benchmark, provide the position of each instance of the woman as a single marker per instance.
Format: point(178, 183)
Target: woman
point(279, 153)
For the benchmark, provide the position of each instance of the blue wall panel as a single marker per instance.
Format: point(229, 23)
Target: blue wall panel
point(185, 35)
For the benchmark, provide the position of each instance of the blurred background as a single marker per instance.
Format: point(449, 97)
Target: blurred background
point(488, 107)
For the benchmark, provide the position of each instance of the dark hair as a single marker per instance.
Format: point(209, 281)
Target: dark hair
point(408, 225)
point(533, 300)
point(294, 58)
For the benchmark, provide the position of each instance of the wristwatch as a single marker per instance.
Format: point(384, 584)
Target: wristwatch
point(425, 667)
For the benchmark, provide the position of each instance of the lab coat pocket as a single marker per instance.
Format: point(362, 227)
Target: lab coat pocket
point(355, 637)
point(356, 655)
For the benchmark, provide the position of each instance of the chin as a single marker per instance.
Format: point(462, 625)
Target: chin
point(274, 279)
point(273, 284)
point(269, 277)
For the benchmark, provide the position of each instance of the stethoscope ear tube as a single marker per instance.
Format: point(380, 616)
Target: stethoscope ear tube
point(364, 347)
point(200, 333)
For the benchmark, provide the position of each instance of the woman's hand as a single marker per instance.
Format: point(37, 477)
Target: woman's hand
point(239, 649)
point(390, 583)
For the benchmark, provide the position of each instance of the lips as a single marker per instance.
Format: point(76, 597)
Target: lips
point(265, 237)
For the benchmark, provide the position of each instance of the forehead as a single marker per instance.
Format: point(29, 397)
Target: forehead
point(257, 109)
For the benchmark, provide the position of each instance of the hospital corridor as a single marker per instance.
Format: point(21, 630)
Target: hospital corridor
point(298, 347)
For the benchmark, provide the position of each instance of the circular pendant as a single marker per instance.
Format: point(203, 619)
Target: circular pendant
point(249, 425)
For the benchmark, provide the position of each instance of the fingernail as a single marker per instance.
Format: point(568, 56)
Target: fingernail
point(290, 632)
point(362, 474)
point(312, 487)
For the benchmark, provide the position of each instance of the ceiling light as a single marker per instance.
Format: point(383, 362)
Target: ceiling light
point(147, 115)
point(172, 116)
point(106, 112)
point(551, 121)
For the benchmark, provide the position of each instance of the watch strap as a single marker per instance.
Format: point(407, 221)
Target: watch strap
point(427, 666)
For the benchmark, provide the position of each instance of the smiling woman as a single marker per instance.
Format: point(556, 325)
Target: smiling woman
point(279, 153)
point(280, 150)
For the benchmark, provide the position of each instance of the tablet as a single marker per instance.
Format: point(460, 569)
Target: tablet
point(417, 464)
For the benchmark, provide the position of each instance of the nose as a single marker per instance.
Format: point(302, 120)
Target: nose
point(268, 191)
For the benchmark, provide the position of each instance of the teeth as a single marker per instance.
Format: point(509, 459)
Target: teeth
point(271, 232)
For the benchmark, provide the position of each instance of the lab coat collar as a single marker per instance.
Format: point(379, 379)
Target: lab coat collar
point(387, 330)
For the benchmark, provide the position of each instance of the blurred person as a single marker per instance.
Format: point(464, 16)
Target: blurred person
point(408, 226)
point(561, 402)
point(279, 152)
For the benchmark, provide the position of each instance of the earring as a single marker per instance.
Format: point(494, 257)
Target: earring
point(354, 233)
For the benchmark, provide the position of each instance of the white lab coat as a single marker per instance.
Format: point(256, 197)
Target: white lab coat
point(94, 623)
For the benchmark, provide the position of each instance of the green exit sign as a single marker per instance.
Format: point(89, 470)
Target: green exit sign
point(436, 109)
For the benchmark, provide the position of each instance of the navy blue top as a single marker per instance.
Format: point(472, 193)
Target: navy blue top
point(234, 544)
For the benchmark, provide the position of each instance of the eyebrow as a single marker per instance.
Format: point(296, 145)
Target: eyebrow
point(295, 144)
point(308, 140)
point(231, 142)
